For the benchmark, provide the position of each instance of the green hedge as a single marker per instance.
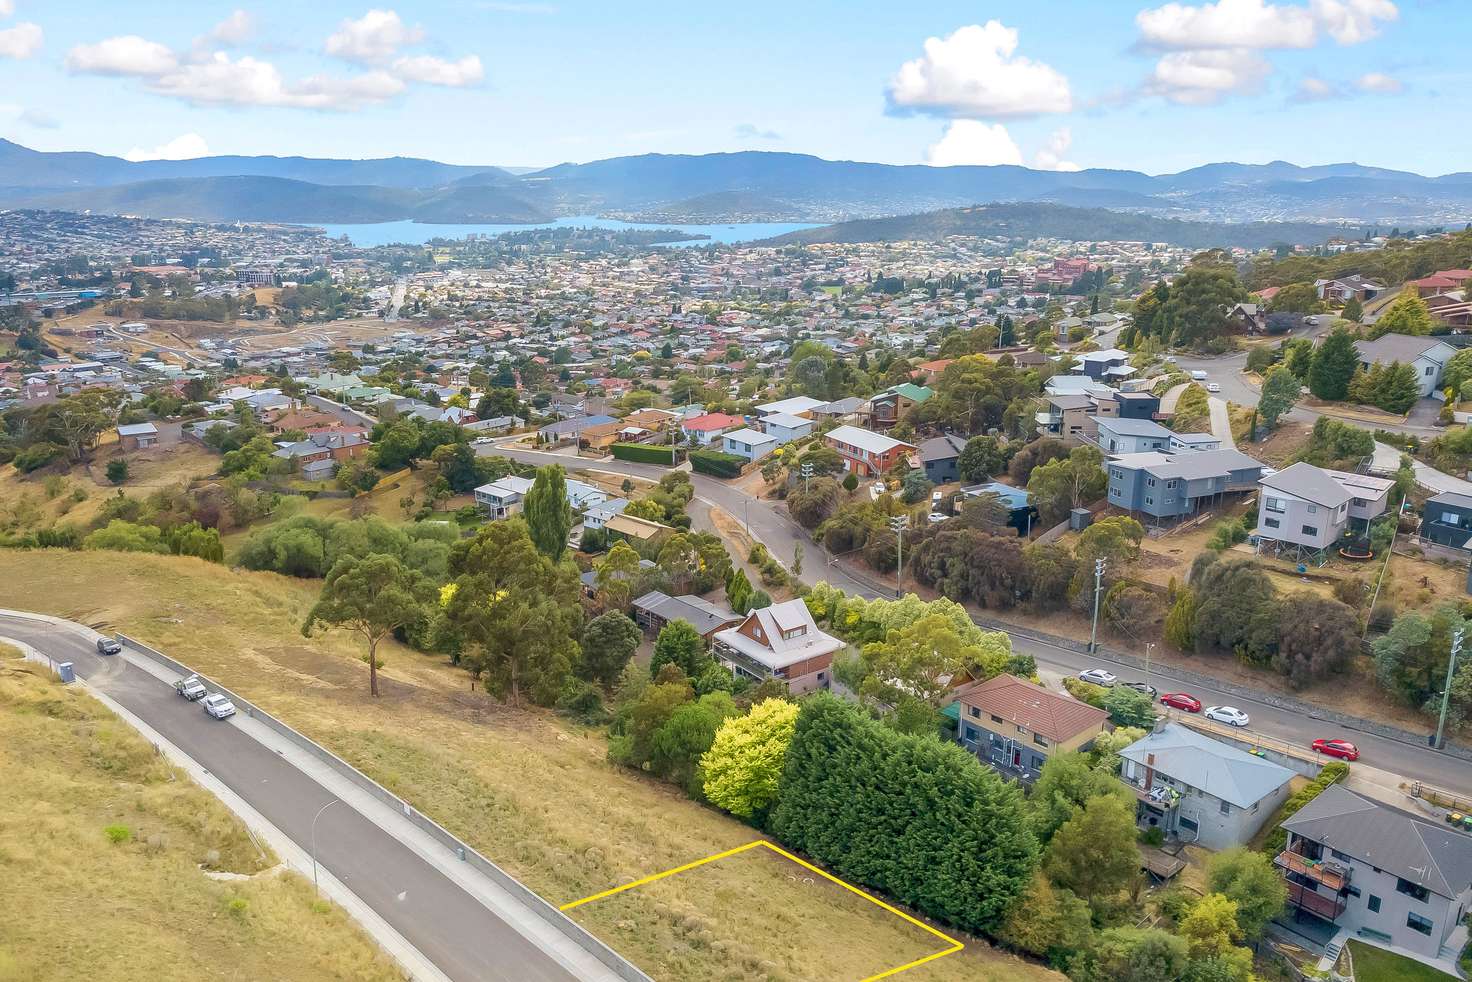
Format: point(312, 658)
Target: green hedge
point(1277, 839)
point(644, 453)
point(716, 464)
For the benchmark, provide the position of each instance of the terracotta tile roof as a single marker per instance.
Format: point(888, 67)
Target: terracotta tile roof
point(1059, 718)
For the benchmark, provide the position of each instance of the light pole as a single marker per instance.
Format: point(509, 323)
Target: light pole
point(899, 523)
point(746, 515)
point(314, 842)
point(807, 474)
point(1446, 692)
point(1099, 567)
point(1148, 646)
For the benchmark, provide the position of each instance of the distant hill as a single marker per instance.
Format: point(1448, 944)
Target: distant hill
point(1034, 220)
point(720, 206)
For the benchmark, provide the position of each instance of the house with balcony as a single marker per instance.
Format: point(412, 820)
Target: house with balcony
point(1383, 876)
point(503, 498)
point(866, 453)
point(1122, 435)
point(1109, 365)
point(1015, 726)
point(1172, 487)
point(781, 642)
point(1201, 790)
point(1427, 356)
point(888, 407)
point(1446, 520)
point(1067, 418)
point(1303, 510)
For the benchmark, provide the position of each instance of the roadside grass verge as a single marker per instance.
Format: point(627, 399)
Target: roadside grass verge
point(529, 790)
point(101, 848)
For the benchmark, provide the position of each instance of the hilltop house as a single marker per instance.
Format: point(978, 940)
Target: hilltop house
point(1447, 520)
point(138, 436)
point(751, 444)
point(887, 408)
point(1016, 726)
point(655, 610)
point(1306, 509)
point(865, 453)
point(707, 429)
point(1126, 436)
point(1427, 355)
point(940, 456)
point(783, 642)
point(785, 428)
point(1174, 486)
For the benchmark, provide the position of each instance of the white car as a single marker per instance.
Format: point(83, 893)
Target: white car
point(481, 441)
point(878, 488)
point(1099, 677)
point(1230, 715)
point(1213, 387)
point(937, 517)
point(218, 706)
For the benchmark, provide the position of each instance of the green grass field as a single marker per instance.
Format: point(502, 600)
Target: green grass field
point(1373, 964)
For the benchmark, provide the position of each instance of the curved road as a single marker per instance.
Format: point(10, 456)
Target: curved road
point(456, 932)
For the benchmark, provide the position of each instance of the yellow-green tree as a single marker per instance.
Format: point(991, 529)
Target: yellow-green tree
point(744, 764)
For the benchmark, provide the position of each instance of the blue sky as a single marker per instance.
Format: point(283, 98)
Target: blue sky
point(1056, 83)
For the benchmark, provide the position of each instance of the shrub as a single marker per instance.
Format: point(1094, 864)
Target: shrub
point(1086, 691)
point(35, 457)
point(117, 834)
point(117, 471)
point(1277, 839)
point(851, 482)
point(716, 464)
point(644, 453)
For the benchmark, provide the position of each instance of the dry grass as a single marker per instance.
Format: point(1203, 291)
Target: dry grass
point(530, 791)
point(79, 905)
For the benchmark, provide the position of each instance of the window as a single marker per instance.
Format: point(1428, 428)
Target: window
point(975, 713)
point(1450, 518)
point(997, 719)
point(1410, 889)
point(1149, 482)
point(1226, 807)
point(1373, 904)
point(970, 732)
point(1351, 891)
point(1310, 530)
point(1172, 484)
point(1040, 741)
point(1429, 369)
point(1313, 509)
point(795, 632)
point(1188, 825)
point(1418, 923)
point(1271, 523)
point(1275, 504)
point(1149, 500)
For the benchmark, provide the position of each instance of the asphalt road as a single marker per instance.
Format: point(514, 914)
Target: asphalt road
point(454, 930)
point(780, 534)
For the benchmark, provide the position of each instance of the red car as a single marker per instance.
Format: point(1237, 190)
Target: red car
point(1337, 748)
point(1182, 700)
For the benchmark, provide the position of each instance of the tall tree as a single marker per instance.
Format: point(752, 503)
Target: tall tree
point(679, 644)
point(1066, 782)
point(1093, 853)
point(743, 767)
point(1279, 393)
point(920, 660)
point(609, 641)
point(372, 596)
point(548, 515)
point(1333, 365)
point(1250, 880)
point(1407, 314)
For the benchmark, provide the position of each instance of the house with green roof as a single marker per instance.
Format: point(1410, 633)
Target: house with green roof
point(889, 407)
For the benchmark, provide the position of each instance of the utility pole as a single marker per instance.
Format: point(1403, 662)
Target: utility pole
point(1148, 646)
point(899, 523)
point(1099, 567)
point(1446, 692)
point(807, 474)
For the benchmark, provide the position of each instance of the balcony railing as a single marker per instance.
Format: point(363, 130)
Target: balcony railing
point(1332, 875)
point(1327, 907)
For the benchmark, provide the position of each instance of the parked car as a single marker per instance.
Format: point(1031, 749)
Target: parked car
point(218, 706)
point(936, 517)
point(1198, 376)
point(1337, 748)
point(191, 688)
point(878, 488)
point(107, 646)
point(1182, 700)
point(1144, 687)
point(1230, 715)
point(1099, 677)
point(1213, 387)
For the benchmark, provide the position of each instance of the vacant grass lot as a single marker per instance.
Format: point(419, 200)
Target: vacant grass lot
point(101, 844)
point(530, 791)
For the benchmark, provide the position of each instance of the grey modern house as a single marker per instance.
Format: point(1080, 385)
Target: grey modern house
point(1427, 355)
point(1125, 435)
point(1383, 875)
point(1305, 509)
point(1447, 520)
point(940, 456)
point(1199, 789)
point(1170, 487)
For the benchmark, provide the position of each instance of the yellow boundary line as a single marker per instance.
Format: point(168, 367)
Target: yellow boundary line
point(955, 945)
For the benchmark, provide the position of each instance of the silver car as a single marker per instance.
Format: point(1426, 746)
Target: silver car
point(1230, 715)
point(218, 706)
point(1099, 677)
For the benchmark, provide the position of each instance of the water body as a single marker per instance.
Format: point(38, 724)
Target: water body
point(415, 233)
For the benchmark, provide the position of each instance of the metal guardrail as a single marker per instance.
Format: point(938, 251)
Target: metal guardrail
point(461, 850)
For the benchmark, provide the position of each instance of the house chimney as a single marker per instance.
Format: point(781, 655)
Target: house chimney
point(1149, 772)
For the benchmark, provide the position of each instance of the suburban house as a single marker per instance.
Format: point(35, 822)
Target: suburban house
point(940, 456)
point(1128, 405)
point(1348, 288)
point(1067, 418)
point(1250, 318)
point(1111, 365)
point(748, 443)
point(888, 407)
point(1017, 501)
point(844, 410)
point(1190, 442)
point(1447, 520)
point(503, 498)
point(597, 516)
point(655, 609)
point(796, 406)
point(589, 578)
point(318, 455)
point(1390, 877)
point(1427, 355)
point(783, 642)
point(1124, 436)
point(1305, 509)
point(1176, 486)
point(1201, 790)
point(707, 429)
point(569, 429)
point(785, 427)
point(636, 530)
point(866, 453)
point(138, 436)
point(1016, 726)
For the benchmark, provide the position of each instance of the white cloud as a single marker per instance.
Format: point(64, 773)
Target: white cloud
point(1199, 78)
point(125, 55)
point(1353, 21)
point(976, 74)
point(1227, 24)
point(185, 147)
point(1051, 155)
point(7, 7)
point(373, 38)
point(40, 119)
point(225, 81)
point(1378, 82)
point(438, 71)
point(1314, 89)
point(233, 30)
point(20, 41)
point(970, 141)
point(751, 131)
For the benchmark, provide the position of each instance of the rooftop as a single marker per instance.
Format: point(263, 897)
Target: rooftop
point(1216, 768)
point(1056, 717)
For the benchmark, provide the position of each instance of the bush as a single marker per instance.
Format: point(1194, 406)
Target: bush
point(1277, 839)
point(35, 457)
point(716, 464)
point(117, 471)
point(117, 834)
point(1086, 691)
point(851, 482)
point(645, 453)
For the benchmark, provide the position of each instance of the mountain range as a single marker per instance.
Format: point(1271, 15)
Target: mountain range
point(708, 188)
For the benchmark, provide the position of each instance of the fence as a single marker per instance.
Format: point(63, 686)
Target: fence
point(620, 966)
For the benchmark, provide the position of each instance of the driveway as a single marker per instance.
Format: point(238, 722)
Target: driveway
point(1221, 423)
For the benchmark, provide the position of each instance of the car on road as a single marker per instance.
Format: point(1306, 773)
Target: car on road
point(1198, 376)
point(1337, 748)
point(482, 441)
point(1144, 687)
point(936, 517)
point(1230, 715)
point(1182, 700)
point(107, 646)
point(1213, 387)
point(218, 706)
point(1099, 677)
point(191, 688)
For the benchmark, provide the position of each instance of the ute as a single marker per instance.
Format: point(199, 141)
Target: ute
point(191, 688)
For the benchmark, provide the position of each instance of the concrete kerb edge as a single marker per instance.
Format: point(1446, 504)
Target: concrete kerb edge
point(395, 945)
point(462, 851)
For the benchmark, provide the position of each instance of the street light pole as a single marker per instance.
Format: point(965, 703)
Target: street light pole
point(1446, 691)
point(1148, 646)
point(314, 842)
point(807, 473)
point(899, 523)
point(1099, 566)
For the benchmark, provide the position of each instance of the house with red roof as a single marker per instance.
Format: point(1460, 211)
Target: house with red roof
point(707, 429)
point(1016, 725)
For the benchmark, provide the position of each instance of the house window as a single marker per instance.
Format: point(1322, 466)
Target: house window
point(1313, 509)
point(1226, 807)
point(1449, 518)
point(1373, 904)
point(1271, 523)
point(1352, 891)
point(1411, 889)
point(1149, 500)
point(1275, 504)
point(1149, 482)
point(1429, 370)
point(1310, 530)
point(1418, 923)
point(1040, 741)
point(1171, 485)
point(971, 733)
point(975, 713)
point(795, 632)
point(997, 719)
